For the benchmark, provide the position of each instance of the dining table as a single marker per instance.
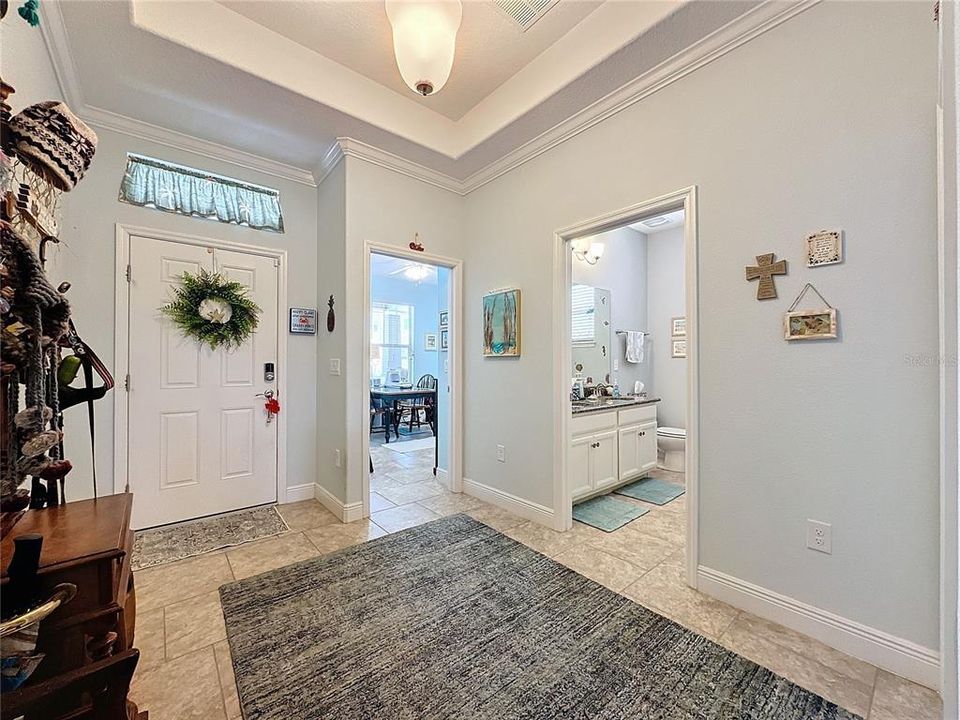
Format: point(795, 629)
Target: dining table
point(389, 396)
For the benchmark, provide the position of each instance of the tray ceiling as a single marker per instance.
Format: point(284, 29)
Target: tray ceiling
point(491, 47)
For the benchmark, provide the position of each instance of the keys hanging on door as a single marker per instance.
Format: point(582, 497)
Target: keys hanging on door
point(270, 404)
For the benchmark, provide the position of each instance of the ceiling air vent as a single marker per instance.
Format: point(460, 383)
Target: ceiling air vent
point(525, 12)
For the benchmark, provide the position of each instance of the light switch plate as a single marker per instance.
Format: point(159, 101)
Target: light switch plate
point(501, 453)
point(334, 366)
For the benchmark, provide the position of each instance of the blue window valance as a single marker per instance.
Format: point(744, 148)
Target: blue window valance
point(176, 188)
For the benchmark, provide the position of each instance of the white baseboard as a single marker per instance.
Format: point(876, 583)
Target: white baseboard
point(891, 653)
point(517, 505)
point(300, 492)
point(443, 477)
point(345, 512)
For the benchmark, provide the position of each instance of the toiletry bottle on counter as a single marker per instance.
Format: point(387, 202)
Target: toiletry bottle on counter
point(616, 387)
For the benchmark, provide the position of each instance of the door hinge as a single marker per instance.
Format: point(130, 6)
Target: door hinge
point(126, 383)
point(129, 272)
point(276, 262)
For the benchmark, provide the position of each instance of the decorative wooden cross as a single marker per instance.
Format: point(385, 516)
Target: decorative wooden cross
point(764, 270)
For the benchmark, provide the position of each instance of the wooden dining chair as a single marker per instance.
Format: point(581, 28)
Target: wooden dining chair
point(410, 410)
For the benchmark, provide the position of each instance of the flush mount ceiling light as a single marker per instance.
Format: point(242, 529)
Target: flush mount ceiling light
point(588, 251)
point(424, 40)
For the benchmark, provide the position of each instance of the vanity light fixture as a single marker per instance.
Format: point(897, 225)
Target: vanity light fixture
point(424, 41)
point(587, 251)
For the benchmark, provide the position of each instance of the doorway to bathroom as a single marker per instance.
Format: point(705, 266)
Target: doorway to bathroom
point(627, 377)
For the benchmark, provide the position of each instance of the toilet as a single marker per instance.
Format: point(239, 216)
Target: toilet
point(671, 446)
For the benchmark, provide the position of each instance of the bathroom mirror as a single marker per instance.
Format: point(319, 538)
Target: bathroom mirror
point(591, 332)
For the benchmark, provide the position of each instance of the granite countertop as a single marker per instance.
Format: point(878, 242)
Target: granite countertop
point(614, 404)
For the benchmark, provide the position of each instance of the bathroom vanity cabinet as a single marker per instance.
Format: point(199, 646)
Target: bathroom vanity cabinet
point(609, 448)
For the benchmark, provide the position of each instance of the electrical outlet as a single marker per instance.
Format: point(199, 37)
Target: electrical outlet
point(616, 364)
point(334, 366)
point(337, 461)
point(820, 536)
point(501, 453)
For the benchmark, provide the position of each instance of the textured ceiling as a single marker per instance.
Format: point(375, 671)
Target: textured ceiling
point(490, 46)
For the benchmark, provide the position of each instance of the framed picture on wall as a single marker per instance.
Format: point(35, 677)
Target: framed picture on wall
point(678, 348)
point(430, 341)
point(444, 319)
point(444, 339)
point(810, 324)
point(678, 327)
point(501, 323)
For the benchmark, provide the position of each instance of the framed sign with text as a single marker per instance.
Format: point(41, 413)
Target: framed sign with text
point(303, 321)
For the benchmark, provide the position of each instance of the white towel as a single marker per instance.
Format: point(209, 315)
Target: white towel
point(635, 346)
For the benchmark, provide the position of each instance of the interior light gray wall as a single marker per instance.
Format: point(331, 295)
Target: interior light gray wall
point(825, 121)
point(331, 280)
point(388, 208)
point(623, 271)
point(85, 257)
point(666, 288)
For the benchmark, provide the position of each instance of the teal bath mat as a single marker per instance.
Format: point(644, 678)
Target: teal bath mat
point(606, 513)
point(652, 490)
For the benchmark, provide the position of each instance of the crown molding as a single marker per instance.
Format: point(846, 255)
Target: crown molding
point(54, 34)
point(198, 146)
point(731, 36)
point(330, 160)
point(752, 24)
point(361, 150)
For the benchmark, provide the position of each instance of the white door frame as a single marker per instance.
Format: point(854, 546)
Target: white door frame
point(948, 223)
point(455, 434)
point(121, 353)
point(685, 198)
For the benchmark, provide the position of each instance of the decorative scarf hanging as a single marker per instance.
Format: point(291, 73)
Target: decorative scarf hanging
point(187, 191)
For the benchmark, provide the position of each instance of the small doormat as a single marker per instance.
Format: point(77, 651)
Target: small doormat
point(607, 514)
point(652, 490)
point(177, 542)
point(409, 446)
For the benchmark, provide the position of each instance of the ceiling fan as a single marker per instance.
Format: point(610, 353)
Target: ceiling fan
point(414, 271)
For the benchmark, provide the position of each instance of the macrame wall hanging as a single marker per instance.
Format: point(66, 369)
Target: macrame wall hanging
point(812, 324)
point(213, 310)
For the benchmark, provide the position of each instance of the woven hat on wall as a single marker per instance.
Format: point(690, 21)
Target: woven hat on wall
point(55, 140)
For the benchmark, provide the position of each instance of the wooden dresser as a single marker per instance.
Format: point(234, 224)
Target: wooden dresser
point(87, 543)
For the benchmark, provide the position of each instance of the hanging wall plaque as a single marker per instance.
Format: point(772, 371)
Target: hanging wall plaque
point(814, 324)
point(303, 321)
point(824, 248)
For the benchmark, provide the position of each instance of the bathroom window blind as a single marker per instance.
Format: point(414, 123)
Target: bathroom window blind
point(180, 189)
point(582, 314)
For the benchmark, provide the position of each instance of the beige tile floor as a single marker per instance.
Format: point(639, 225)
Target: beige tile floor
point(185, 670)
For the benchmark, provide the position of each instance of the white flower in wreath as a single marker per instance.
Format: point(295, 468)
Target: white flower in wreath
point(216, 310)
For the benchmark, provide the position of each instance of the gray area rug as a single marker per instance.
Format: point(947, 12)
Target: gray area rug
point(195, 537)
point(454, 620)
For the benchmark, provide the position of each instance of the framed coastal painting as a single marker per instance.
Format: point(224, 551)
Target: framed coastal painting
point(444, 339)
point(444, 318)
point(501, 323)
point(678, 347)
point(810, 324)
point(430, 341)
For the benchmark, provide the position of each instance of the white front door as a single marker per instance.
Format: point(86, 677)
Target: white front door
point(199, 440)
